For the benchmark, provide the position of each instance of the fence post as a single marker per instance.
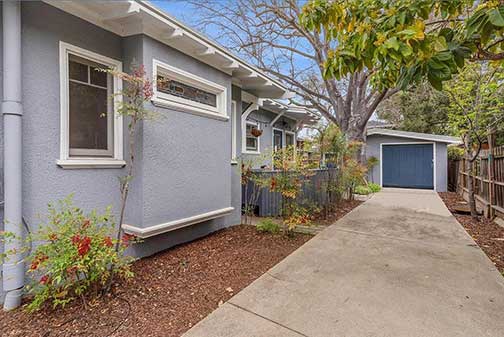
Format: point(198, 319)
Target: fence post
point(491, 172)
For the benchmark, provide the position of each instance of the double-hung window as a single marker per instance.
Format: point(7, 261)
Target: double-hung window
point(251, 141)
point(183, 91)
point(91, 131)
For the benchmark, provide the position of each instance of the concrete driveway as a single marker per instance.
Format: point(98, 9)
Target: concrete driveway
point(398, 265)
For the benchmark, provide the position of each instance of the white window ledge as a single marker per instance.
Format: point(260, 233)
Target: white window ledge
point(188, 109)
point(234, 162)
point(90, 163)
point(251, 152)
point(150, 231)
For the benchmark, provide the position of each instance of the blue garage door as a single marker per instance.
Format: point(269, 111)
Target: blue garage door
point(408, 166)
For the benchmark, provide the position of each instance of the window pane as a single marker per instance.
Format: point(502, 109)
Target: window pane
point(289, 139)
point(88, 117)
point(277, 139)
point(179, 89)
point(78, 71)
point(98, 77)
point(252, 143)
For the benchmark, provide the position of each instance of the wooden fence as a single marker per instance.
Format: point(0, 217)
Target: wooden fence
point(488, 179)
point(314, 192)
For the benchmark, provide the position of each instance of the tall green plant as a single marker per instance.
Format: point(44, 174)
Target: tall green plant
point(476, 104)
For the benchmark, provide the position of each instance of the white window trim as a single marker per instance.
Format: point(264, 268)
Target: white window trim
point(65, 161)
point(273, 138)
point(233, 132)
point(434, 159)
point(256, 124)
point(293, 138)
point(186, 105)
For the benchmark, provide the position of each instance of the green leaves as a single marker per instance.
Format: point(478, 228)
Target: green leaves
point(403, 41)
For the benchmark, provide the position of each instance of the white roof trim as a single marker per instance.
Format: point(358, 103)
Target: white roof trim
point(129, 17)
point(414, 135)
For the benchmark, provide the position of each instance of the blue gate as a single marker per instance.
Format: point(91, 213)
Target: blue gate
point(408, 166)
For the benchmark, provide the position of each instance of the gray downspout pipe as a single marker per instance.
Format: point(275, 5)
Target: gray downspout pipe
point(12, 110)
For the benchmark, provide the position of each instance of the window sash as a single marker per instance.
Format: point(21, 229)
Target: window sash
point(83, 152)
point(248, 136)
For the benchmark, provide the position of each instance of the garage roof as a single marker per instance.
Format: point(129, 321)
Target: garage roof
point(414, 135)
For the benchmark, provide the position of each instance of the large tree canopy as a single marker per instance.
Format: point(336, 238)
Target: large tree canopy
point(418, 109)
point(269, 33)
point(402, 41)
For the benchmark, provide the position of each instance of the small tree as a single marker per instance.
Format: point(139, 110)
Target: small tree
point(477, 103)
point(137, 91)
point(291, 174)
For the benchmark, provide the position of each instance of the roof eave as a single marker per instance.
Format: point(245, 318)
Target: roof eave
point(132, 17)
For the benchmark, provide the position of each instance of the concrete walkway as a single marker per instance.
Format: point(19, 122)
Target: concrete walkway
point(398, 265)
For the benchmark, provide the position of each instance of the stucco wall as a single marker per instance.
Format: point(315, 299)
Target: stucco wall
point(183, 161)
point(264, 117)
point(373, 150)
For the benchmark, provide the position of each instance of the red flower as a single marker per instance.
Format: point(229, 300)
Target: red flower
point(273, 184)
point(34, 264)
point(86, 223)
point(108, 242)
point(45, 279)
point(126, 239)
point(76, 239)
point(84, 246)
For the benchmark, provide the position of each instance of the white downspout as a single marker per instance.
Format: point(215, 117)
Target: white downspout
point(12, 110)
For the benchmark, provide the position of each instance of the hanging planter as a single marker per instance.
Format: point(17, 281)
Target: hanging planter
point(256, 132)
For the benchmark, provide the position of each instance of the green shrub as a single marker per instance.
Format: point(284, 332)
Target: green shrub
point(365, 190)
point(362, 190)
point(455, 152)
point(374, 187)
point(75, 255)
point(268, 225)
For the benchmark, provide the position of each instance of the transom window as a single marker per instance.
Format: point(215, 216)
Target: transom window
point(183, 91)
point(179, 89)
point(252, 142)
point(91, 132)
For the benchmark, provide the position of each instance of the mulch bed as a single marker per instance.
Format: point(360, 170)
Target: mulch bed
point(171, 291)
point(344, 207)
point(487, 234)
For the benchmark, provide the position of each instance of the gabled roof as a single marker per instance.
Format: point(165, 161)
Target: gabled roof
point(414, 135)
point(128, 17)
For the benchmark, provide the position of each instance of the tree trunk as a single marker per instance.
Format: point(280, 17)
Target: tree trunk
point(470, 179)
point(357, 135)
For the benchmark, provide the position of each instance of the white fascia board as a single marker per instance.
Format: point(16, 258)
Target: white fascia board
point(147, 232)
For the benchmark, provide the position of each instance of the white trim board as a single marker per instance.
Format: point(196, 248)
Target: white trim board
point(186, 105)
point(234, 114)
point(434, 159)
point(146, 232)
point(65, 160)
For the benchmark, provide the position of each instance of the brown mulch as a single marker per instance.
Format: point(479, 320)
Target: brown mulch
point(344, 207)
point(487, 234)
point(171, 291)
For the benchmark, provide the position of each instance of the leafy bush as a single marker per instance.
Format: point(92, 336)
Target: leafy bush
point(75, 255)
point(365, 190)
point(268, 225)
point(362, 190)
point(374, 187)
point(455, 153)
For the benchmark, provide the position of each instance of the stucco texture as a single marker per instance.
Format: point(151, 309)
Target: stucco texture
point(441, 166)
point(265, 117)
point(183, 160)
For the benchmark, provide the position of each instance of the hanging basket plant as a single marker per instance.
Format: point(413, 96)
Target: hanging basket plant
point(256, 132)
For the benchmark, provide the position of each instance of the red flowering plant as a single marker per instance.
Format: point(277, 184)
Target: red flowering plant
point(74, 255)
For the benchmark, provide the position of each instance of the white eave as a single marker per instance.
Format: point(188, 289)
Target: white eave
point(127, 18)
point(414, 135)
point(307, 116)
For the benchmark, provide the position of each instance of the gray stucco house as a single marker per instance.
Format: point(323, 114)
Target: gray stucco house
point(409, 159)
point(187, 183)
